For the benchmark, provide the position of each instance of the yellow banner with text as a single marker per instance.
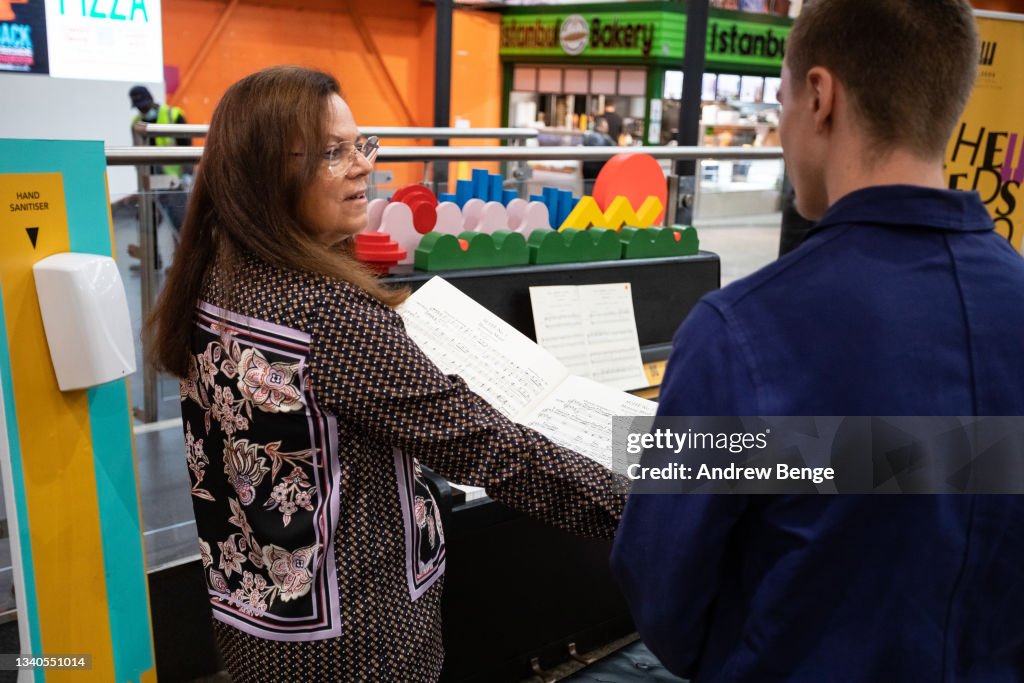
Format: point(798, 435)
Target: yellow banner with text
point(986, 151)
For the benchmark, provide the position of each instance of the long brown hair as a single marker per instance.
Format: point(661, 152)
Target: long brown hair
point(245, 200)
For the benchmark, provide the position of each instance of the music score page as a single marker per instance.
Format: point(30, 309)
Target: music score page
point(592, 330)
point(578, 415)
point(507, 369)
point(463, 338)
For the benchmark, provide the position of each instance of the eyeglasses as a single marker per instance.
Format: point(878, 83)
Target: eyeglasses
point(342, 156)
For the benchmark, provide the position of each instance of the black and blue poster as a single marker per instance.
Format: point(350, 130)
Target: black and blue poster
point(23, 37)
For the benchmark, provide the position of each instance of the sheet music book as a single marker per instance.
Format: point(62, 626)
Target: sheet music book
point(592, 330)
point(508, 370)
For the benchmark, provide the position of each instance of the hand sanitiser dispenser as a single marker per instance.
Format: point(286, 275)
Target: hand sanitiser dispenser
point(85, 314)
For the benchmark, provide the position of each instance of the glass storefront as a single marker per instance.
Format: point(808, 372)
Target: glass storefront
point(564, 67)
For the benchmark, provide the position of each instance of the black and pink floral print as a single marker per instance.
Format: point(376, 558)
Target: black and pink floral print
point(274, 507)
point(307, 413)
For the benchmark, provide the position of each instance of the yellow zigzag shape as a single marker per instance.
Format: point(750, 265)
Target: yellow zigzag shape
point(588, 214)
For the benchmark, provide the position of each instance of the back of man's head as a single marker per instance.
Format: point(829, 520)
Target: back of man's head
point(908, 65)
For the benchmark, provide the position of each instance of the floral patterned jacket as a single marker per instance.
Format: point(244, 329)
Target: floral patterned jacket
point(306, 413)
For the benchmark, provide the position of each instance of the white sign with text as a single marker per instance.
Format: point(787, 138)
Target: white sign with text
point(113, 40)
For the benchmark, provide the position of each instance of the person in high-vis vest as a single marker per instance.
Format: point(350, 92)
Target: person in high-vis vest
point(174, 201)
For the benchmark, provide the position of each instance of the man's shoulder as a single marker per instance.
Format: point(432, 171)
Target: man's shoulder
point(787, 275)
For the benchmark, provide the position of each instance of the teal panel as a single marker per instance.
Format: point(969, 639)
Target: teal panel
point(110, 421)
point(83, 166)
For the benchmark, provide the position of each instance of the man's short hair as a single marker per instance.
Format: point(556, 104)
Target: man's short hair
point(908, 65)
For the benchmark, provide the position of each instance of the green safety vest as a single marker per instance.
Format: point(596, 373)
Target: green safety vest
point(166, 115)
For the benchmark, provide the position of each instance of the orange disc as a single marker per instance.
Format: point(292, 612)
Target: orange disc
point(633, 176)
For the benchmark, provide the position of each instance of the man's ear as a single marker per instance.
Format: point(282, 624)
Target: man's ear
point(821, 85)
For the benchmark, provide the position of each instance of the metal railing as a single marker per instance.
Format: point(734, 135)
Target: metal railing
point(155, 155)
point(681, 194)
point(142, 132)
point(573, 153)
point(129, 156)
point(199, 130)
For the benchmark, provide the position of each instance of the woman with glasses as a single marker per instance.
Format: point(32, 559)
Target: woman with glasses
point(307, 409)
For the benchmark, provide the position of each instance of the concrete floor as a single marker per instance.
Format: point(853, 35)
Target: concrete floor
point(744, 244)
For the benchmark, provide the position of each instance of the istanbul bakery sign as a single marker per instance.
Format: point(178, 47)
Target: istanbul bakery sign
point(629, 34)
point(734, 41)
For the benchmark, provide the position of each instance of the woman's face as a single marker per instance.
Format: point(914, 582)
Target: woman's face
point(333, 206)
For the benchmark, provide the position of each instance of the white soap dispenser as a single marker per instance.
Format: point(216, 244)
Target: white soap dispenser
point(85, 313)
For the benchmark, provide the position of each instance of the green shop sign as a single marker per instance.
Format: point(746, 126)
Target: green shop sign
point(741, 43)
point(638, 35)
point(734, 40)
